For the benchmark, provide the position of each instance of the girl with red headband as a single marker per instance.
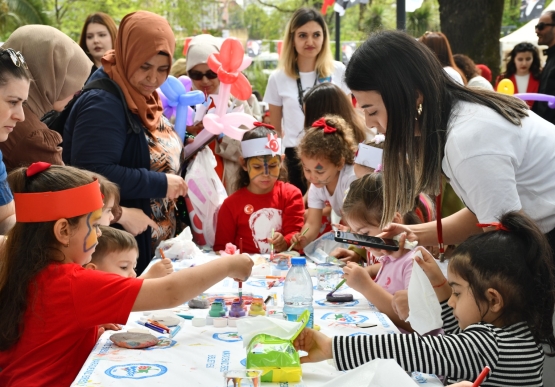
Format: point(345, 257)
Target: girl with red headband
point(50, 305)
point(327, 154)
point(265, 211)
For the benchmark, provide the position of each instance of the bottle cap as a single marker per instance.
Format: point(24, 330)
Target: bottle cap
point(298, 261)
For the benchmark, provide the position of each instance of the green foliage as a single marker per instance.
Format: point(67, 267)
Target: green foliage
point(257, 77)
point(17, 13)
point(420, 21)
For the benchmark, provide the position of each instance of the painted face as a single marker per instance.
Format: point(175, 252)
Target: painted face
point(320, 172)
point(150, 76)
point(375, 112)
point(462, 301)
point(98, 41)
point(263, 173)
point(83, 241)
point(523, 61)
point(107, 215)
point(206, 85)
point(12, 96)
point(309, 39)
point(120, 262)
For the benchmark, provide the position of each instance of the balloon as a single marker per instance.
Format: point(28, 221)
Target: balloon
point(550, 99)
point(186, 43)
point(228, 124)
point(178, 98)
point(186, 82)
point(506, 86)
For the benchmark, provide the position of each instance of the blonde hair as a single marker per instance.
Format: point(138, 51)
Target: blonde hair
point(113, 241)
point(288, 58)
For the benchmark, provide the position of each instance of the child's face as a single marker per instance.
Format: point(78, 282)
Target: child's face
point(263, 172)
point(363, 228)
point(84, 239)
point(462, 301)
point(320, 172)
point(361, 170)
point(107, 215)
point(120, 262)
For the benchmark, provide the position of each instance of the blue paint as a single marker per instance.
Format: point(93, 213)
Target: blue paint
point(136, 371)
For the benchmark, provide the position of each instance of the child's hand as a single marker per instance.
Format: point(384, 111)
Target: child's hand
point(357, 277)
point(346, 255)
point(300, 241)
point(462, 384)
point(279, 242)
point(160, 269)
point(108, 327)
point(400, 304)
point(430, 267)
point(315, 343)
point(240, 266)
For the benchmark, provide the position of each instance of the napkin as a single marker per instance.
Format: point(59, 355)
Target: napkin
point(424, 308)
point(377, 373)
point(250, 327)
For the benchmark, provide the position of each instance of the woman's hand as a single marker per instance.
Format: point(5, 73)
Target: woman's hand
point(176, 186)
point(240, 266)
point(357, 277)
point(195, 129)
point(316, 344)
point(400, 304)
point(395, 229)
point(135, 221)
point(394, 254)
point(279, 242)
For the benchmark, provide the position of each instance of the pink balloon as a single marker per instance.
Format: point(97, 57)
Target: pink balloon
point(231, 54)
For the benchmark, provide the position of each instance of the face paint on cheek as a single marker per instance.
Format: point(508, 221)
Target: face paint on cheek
point(91, 239)
point(255, 167)
point(318, 167)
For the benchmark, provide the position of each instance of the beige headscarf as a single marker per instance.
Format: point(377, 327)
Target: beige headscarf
point(58, 66)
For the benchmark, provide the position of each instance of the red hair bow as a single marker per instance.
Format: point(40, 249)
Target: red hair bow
point(267, 126)
point(37, 167)
point(497, 225)
point(321, 123)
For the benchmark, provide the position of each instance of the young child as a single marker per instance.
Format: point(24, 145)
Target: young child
point(50, 305)
point(263, 201)
point(110, 193)
point(497, 304)
point(327, 155)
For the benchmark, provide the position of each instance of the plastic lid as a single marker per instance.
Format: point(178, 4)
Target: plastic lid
point(298, 261)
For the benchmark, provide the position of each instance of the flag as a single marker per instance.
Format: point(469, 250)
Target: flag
point(341, 5)
point(327, 3)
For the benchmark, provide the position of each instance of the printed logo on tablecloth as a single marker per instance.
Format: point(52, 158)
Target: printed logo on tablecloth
point(336, 304)
point(136, 371)
point(228, 337)
point(360, 334)
point(345, 318)
point(163, 343)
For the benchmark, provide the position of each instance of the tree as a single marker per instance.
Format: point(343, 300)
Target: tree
point(17, 13)
point(473, 28)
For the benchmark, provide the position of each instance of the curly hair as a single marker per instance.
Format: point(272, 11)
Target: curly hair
point(337, 147)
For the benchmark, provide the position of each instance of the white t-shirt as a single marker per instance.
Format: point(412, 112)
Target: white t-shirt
point(496, 167)
point(454, 74)
point(317, 197)
point(481, 82)
point(522, 83)
point(282, 91)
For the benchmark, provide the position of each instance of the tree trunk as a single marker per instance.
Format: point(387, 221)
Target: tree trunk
point(473, 28)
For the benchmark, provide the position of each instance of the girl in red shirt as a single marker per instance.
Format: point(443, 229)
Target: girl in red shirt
point(264, 210)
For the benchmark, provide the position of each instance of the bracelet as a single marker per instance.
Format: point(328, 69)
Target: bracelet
point(441, 284)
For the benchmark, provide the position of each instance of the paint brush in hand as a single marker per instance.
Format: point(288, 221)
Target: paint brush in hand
point(272, 247)
point(240, 282)
point(337, 287)
point(294, 243)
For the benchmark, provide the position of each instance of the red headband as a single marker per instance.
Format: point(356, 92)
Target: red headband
point(498, 226)
point(321, 123)
point(51, 206)
point(267, 126)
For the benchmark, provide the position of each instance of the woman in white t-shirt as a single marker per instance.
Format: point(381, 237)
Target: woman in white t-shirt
point(439, 44)
point(305, 61)
point(497, 154)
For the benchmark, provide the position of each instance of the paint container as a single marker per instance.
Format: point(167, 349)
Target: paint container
point(209, 320)
point(217, 309)
point(198, 321)
point(243, 378)
point(220, 322)
point(232, 321)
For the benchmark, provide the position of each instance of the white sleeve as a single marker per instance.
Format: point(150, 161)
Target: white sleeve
point(271, 95)
point(316, 198)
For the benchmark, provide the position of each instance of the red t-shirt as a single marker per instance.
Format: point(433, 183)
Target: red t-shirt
point(60, 324)
point(251, 217)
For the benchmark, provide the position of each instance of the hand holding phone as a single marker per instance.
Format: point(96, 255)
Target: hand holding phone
point(366, 241)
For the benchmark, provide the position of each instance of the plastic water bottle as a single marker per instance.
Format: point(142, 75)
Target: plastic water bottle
point(297, 292)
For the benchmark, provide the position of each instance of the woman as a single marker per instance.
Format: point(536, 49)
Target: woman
point(59, 69)
point(97, 37)
point(144, 163)
point(14, 91)
point(468, 67)
point(439, 44)
point(305, 61)
point(497, 154)
point(523, 69)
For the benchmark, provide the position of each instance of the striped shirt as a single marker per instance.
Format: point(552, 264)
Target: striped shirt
point(511, 352)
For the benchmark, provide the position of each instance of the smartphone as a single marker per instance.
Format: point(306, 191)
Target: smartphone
point(365, 240)
point(345, 297)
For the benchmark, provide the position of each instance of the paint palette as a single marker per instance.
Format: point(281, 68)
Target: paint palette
point(133, 340)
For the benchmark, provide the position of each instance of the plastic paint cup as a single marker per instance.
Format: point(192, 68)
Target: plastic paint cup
point(243, 378)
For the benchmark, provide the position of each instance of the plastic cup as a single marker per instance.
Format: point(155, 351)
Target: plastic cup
point(243, 378)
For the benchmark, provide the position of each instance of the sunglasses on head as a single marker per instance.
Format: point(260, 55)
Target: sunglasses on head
point(197, 75)
point(15, 56)
point(540, 26)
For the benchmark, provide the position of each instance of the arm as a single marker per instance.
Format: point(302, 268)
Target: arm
point(312, 223)
point(276, 114)
point(226, 228)
point(293, 213)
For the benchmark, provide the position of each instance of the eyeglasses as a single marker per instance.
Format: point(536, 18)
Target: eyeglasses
point(540, 26)
point(197, 75)
point(16, 57)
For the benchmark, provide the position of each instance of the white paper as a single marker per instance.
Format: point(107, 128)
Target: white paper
point(424, 308)
point(250, 327)
point(377, 373)
point(408, 244)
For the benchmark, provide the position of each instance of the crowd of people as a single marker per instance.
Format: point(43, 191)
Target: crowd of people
point(407, 140)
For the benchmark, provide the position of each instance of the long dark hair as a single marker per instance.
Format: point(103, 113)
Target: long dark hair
point(535, 68)
point(328, 99)
point(9, 70)
point(401, 69)
point(439, 44)
point(29, 248)
point(518, 263)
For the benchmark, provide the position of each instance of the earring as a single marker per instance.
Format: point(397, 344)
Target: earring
point(67, 244)
point(419, 111)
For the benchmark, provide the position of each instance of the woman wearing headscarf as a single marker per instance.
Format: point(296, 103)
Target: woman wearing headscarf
point(145, 160)
point(59, 69)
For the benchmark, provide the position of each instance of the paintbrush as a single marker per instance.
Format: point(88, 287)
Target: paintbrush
point(240, 282)
point(294, 243)
point(272, 247)
point(337, 287)
point(481, 377)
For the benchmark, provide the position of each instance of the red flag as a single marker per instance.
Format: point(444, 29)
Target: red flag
point(327, 3)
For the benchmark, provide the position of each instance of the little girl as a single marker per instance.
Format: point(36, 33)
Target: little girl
point(327, 155)
point(263, 204)
point(50, 305)
point(497, 311)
